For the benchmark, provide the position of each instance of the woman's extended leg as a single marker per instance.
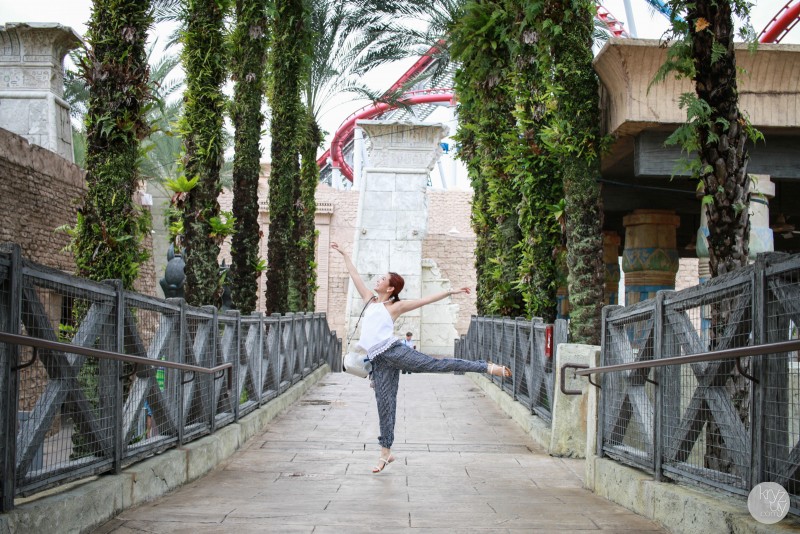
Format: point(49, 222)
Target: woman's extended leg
point(407, 359)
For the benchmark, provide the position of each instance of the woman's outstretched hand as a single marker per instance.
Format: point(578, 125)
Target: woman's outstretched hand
point(335, 246)
point(462, 290)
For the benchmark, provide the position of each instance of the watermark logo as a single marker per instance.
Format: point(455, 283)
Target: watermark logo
point(768, 503)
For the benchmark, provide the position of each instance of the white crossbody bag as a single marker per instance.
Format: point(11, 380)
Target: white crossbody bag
point(356, 361)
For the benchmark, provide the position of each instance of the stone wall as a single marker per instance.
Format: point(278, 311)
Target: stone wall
point(40, 191)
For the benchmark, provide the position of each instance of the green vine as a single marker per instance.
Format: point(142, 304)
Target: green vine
point(249, 44)
point(479, 41)
point(288, 59)
point(110, 227)
point(204, 60)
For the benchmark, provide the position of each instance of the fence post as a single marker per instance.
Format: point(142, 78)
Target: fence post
point(209, 360)
point(9, 356)
point(760, 370)
point(237, 363)
point(116, 374)
point(258, 374)
point(180, 416)
point(601, 411)
point(658, 377)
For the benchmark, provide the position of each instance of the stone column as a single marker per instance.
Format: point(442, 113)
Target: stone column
point(32, 83)
point(393, 209)
point(761, 238)
point(612, 273)
point(650, 258)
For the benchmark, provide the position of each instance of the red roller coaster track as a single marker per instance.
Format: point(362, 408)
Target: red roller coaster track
point(780, 25)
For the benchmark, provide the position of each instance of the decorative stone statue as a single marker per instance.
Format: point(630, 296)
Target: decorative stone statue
point(174, 277)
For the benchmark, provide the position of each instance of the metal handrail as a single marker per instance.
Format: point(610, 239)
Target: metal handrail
point(739, 352)
point(98, 353)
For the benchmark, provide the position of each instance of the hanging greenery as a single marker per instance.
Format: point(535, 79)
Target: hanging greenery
point(290, 52)
point(479, 41)
point(306, 266)
point(249, 44)
point(204, 61)
point(536, 171)
point(716, 130)
point(573, 135)
point(110, 227)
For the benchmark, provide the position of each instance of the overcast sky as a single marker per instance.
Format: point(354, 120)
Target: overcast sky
point(649, 24)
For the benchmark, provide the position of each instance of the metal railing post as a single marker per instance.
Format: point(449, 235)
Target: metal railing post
point(9, 386)
point(117, 367)
point(237, 355)
point(760, 370)
point(659, 375)
point(601, 412)
point(209, 361)
point(181, 415)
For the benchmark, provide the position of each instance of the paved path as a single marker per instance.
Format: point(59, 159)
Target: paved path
point(462, 466)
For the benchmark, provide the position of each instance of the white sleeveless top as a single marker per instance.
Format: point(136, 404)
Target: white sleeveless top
point(377, 330)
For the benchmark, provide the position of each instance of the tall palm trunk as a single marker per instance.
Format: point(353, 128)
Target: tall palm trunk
point(306, 234)
point(289, 53)
point(724, 158)
point(110, 227)
point(249, 66)
point(578, 107)
point(722, 136)
point(204, 60)
point(538, 178)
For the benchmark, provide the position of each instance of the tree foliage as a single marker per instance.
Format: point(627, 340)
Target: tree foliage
point(249, 46)
point(479, 41)
point(573, 135)
point(290, 52)
point(204, 61)
point(110, 228)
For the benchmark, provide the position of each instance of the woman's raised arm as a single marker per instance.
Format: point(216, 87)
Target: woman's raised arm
point(404, 306)
point(362, 288)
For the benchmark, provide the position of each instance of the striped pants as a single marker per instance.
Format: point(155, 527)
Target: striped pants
point(386, 369)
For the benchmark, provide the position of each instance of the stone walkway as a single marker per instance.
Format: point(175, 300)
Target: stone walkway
point(462, 466)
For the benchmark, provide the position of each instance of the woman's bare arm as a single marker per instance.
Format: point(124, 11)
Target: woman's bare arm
point(404, 306)
point(362, 288)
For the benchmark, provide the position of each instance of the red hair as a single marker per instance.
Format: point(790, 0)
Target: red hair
point(396, 281)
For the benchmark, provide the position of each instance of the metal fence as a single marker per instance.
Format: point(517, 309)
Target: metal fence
point(66, 415)
point(527, 347)
point(729, 423)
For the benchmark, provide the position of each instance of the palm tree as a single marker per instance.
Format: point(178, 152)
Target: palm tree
point(574, 135)
point(204, 60)
point(290, 52)
point(110, 227)
point(248, 58)
point(716, 128)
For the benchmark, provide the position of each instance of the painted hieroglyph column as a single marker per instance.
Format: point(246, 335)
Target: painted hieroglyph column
point(650, 259)
point(32, 101)
point(393, 209)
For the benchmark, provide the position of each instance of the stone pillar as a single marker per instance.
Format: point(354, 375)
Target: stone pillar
point(393, 209)
point(761, 238)
point(612, 273)
point(650, 259)
point(32, 84)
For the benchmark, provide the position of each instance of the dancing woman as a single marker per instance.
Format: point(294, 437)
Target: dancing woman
point(389, 355)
